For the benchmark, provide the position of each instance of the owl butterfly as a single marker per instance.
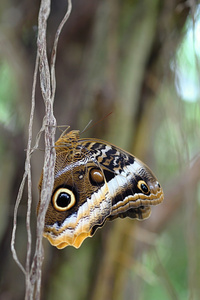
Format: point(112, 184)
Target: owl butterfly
point(95, 181)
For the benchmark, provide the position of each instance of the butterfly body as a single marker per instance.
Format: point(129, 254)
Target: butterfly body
point(95, 181)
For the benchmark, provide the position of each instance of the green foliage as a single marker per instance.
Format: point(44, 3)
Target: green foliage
point(176, 143)
point(8, 90)
point(72, 279)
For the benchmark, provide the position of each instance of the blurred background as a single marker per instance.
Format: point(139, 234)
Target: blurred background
point(140, 61)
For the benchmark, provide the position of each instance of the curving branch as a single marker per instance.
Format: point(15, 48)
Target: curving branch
point(33, 270)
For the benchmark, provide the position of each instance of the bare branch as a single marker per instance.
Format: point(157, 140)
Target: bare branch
point(33, 271)
point(54, 49)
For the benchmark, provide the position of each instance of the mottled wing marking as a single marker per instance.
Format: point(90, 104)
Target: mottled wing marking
point(117, 196)
point(108, 156)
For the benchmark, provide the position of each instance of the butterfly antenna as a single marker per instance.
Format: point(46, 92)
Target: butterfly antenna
point(89, 127)
point(86, 127)
point(63, 131)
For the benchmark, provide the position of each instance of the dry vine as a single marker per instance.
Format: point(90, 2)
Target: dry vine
point(33, 269)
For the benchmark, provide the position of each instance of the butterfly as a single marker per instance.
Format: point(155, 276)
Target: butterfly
point(95, 181)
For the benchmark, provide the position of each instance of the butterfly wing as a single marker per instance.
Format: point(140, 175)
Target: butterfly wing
point(94, 182)
point(132, 185)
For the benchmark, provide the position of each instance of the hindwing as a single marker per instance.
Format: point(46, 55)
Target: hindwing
point(95, 181)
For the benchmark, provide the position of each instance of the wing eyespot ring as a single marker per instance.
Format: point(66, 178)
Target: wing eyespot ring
point(96, 176)
point(143, 187)
point(158, 184)
point(63, 199)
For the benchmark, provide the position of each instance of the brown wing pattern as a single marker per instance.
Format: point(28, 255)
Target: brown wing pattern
point(94, 182)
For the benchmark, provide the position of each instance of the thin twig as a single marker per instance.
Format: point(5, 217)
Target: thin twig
point(19, 197)
point(29, 287)
point(21, 189)
point(55, 45)
point(49, 157)
point(33, 271)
